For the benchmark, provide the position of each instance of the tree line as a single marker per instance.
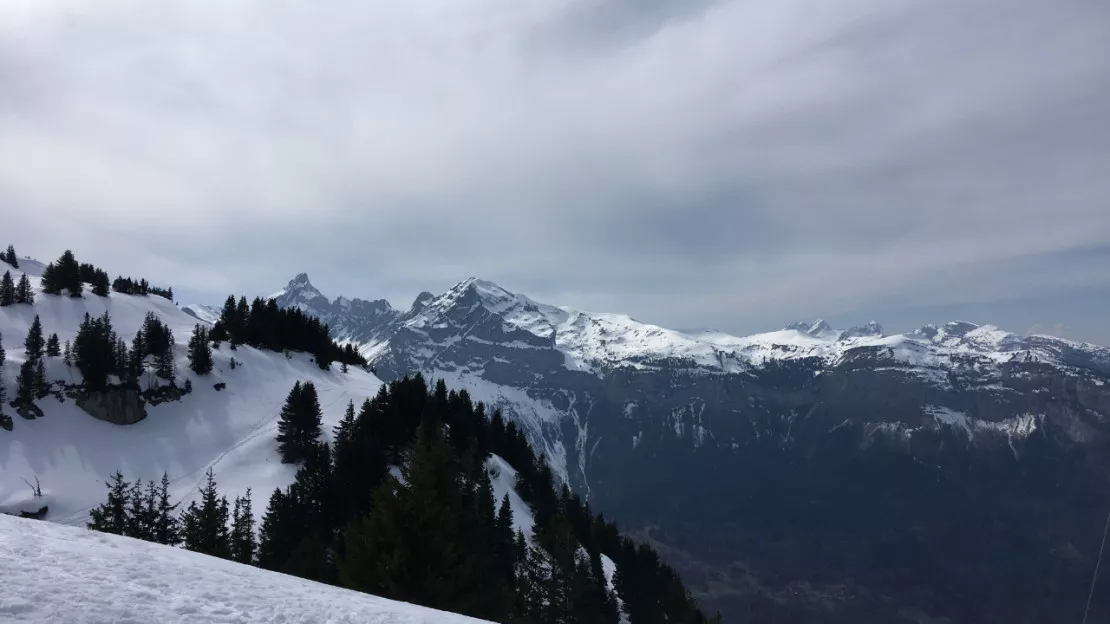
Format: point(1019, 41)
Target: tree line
point(145, 512)
point(430, 530)
point(68, 275)
point(263, 325)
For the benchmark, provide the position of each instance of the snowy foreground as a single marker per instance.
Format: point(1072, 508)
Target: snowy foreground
point(54, 573)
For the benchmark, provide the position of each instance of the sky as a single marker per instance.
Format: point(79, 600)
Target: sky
point(733, 164)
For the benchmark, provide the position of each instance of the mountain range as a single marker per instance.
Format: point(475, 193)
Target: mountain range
point(805, 474)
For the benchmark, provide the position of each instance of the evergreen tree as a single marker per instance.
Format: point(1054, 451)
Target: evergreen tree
point(94, 350)
point(166, 525)
point(53, 348)
point(204, 526)
point(200, 352)
point(7, 290)
point(137, 357)
point(67, 354)
point(243, 544)
point(142, 511)
point(229, 321)
point(23, 292)
point(403, 549)
point(35, 343)
point(42, 387)
point(65, 273)
point(26, 384)
point(299, 423)
point(549, 578)
point(111, 516)
point(164, 366)
point(358, 464)
point(280, 531)
point(10, 257)
point(122, 363)
point(100, 283)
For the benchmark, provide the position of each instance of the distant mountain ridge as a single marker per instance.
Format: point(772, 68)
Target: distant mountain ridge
point(974, 421)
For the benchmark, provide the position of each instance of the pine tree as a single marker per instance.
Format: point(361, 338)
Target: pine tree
point(403, 549)
point(35, 343)
point(299, 424)
point(26, 384)
point(121, 363)
point(100, 283)
point(204, 526)
point(200, 352)
point(67, 354)
point(7, 290)
point(164, 366)
point(243, 544)
point(288, 420)
point(142, 511)
point(166, 525)
point(111, 516)
point(23, 292)
point(136, 358)
point(42, 387)
point(53, 348)
point(358, 464)
point(69, 273)
point(10, 257)
point(280, 531)
point(94, 350)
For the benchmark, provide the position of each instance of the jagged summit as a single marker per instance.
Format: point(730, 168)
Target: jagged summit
point(821, 328)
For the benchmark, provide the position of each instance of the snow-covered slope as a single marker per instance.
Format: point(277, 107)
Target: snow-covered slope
point(206, 313)
point(231, 430)
point(55, 574)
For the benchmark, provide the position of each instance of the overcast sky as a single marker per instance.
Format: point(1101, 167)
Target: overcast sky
point(731, 164)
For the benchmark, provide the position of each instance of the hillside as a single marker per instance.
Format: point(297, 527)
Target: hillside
point(231, 431)
point(56, 460)
point(55, 573)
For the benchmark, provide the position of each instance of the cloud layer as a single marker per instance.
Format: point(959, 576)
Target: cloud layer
point(728, 163)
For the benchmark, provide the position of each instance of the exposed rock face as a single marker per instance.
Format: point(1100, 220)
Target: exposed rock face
point(120, 406)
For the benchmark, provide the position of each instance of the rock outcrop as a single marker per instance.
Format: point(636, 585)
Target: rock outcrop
point(120, 406)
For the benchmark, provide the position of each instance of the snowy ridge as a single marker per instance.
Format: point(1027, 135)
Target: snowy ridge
point(599, 341)
point(231, 430)
point(56, 573)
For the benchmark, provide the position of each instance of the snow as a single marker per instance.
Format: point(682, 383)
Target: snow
point(503, 478)
point(56, 573)
point(232, 431)
point(950, 417)
point(206, 313)
point(593, 341)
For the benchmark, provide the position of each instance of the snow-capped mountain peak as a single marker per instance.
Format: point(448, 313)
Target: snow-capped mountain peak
point(300, 293)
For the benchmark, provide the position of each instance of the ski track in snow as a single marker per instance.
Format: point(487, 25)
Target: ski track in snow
point(58, 574)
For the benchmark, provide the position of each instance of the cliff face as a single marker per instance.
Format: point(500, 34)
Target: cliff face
point(120, 406)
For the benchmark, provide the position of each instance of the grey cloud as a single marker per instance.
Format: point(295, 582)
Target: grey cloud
point(728, 163)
